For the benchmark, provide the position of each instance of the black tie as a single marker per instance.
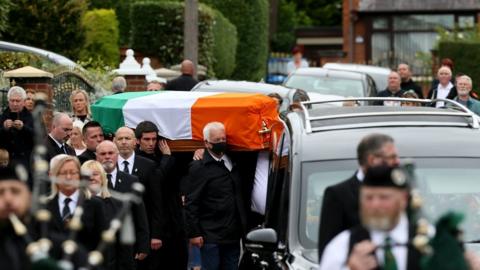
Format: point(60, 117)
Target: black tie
point(66, 210)
point(125, 167)
point(110, 184)
point(64, 149)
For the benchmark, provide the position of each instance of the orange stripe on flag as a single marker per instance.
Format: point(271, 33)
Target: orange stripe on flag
point(242, 114)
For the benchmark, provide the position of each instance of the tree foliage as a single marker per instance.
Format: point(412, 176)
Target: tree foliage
point(53, 25)
point(251, 19)
point(101, 37)
point(320, 12)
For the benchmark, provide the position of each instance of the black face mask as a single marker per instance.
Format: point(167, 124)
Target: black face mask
point(219, 148)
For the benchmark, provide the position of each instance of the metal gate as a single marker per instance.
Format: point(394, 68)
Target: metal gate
point(63, 84)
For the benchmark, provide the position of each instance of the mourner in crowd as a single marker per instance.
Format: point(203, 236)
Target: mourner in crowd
point(107, 155)
point(406, 77)
point(186, 81)
point(80, 103)
point(16, 133)
point(119, 84)
point(120, 255)
point(340, 201)
point(172, 253)
point(30, 100)
point(214, 208)
point(92, 136)
point(464, 87)
point(445, 88)
point(393, 90)
point(76, 138)
point(60, 132)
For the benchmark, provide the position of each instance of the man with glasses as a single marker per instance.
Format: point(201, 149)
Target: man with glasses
point(56, 140)
point(340, 202)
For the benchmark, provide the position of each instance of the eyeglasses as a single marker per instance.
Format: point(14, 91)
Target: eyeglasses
point(70, 173)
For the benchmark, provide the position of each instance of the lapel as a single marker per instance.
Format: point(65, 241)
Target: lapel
point(52, 206)
point(120, 182)
point(136, 164)
point(58, 150)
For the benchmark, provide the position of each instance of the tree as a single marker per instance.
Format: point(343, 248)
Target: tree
point(321, 12)
point(53, 25)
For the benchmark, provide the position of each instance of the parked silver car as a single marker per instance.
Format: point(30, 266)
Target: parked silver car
point(378, 74)
point(332, 82)
point(443, 144)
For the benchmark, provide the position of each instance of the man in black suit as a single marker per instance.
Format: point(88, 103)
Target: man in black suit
point(340, 202)
point(56, 140)
point(107, 155)
point(92, 135)
point(173, 252)
point(215, 212)
point(184, 82)
point(407, 82)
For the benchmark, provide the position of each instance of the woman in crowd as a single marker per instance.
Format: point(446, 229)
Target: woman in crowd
point(80, 103)
point(76, 138)
point(120, 256)
point(29, 101)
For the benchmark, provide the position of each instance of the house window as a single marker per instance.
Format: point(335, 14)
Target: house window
point(401, 38)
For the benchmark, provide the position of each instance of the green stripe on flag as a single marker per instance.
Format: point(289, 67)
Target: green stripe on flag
point(108, 111)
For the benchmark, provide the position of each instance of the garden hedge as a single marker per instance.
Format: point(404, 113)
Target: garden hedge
point(251, 19)
point(163, 37)
point(465, 55)
point(101, 37)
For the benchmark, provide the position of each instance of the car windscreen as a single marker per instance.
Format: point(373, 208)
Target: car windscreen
point(327, 85)
point(444, 183)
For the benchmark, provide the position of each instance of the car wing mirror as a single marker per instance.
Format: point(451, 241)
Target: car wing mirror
point(262, 236)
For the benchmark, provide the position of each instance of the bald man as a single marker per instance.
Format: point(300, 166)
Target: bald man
point(107, 155)
point(393, 90)
point(186, 81)
point(56, 140)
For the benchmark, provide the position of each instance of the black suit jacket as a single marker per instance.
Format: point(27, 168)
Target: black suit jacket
point(146, 171)
point(53, 149)
point(124, 184)
point(432, 94)
point(93, 221)
point(182, 83)
point(339, 211)
point(87, 155)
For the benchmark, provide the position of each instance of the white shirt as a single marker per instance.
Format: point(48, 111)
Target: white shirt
point(114, 176)
point(226, 161)
point(360, 175)
point(442, 92)
point(130, 161)
point(291, 65)
point(59, 144)
point(260, 184)
point(72, 205)
point(335, 255)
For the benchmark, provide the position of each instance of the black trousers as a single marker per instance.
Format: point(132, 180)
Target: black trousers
point(172, 255)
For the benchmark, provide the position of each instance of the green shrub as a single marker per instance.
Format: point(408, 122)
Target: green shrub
point(225, 46)
point(251, 19)
point(101, 37)
point(163, 36)
point(465, 55)
point(50, 25)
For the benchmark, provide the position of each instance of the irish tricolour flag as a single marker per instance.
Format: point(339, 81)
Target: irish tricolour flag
point(182, 115)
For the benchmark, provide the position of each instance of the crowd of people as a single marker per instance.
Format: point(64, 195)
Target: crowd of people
point(445, 86)
point(193, 211)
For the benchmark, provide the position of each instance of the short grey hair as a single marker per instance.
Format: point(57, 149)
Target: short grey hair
point(17, 90)
point(119, 84)
point(59, 116)
point(208, 128)
point(467, 78)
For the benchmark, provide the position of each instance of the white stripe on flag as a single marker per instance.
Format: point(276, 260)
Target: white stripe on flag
point(170, 111)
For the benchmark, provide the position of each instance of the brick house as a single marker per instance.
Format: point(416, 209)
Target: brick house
point(386, 32)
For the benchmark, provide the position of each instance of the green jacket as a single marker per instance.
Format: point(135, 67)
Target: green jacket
point(473, 105)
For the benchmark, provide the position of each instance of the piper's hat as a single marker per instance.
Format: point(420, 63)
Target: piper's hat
point(386, 176)
point(14, 173)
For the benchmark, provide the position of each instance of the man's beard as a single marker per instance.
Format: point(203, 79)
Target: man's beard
point(108, 166)
point(381, 222)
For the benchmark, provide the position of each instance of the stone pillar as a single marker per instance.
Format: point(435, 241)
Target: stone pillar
point(133, 73)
